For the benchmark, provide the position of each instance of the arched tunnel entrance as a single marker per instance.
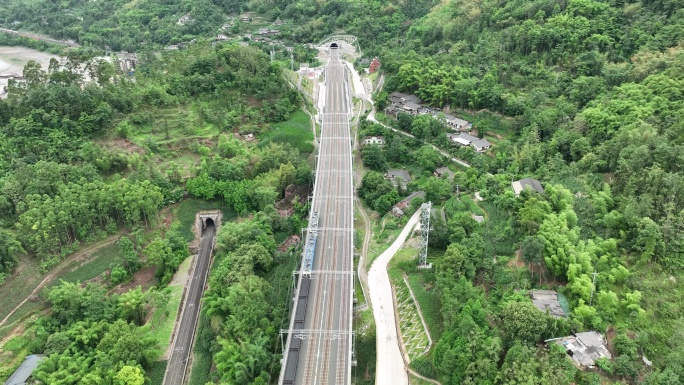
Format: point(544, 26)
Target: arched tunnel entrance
point(205, 220)
point(208, 220)
point(208, 223)
point(334, 45)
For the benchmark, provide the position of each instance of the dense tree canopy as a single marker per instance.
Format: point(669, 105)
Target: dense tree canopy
point(584, 95)
point(85, 157)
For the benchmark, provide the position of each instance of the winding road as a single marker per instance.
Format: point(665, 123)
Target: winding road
point(38, 37)
point(391, 368)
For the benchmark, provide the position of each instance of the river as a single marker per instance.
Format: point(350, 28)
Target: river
point(13, 60)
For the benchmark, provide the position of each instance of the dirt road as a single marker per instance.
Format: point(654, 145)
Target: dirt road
point(81, 255)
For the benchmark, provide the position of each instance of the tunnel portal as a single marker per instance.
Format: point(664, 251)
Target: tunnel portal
point(208, 220)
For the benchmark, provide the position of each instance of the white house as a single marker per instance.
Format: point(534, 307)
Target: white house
point(585, 348)
point(457, 124)
point(185, 19)
point(379, 140)
point(479, 145)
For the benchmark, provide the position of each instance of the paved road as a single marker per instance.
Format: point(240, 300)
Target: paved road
point(185, 332)
point(390, 369)
point(38, 37)
point(323, 356)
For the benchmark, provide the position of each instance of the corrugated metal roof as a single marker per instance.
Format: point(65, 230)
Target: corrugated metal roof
point(462, 141)
point(25, 370)
point(468, 137)
point(481, 143)
point(547, 300)
point(521, 184)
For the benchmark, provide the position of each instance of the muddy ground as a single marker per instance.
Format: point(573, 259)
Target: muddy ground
point(13, 60)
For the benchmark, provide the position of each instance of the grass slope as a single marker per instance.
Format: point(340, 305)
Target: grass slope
point(295, 131)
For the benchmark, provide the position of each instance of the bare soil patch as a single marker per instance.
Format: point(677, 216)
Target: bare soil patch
point(82, 256)
point(13, 59)
point(144, 278)
point(167, 220)
point(18, 330)
point(127, 146)
point(207, 141)
point(610, 334)
point(253, 102)
point(517, 262)
point(100, 280)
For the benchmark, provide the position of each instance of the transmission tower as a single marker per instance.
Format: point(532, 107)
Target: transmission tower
point(425, 210)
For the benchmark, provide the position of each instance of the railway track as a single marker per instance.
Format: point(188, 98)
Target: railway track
point(318, 349)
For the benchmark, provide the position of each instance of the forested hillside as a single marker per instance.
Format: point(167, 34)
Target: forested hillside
point(53, 157)
point(585, 96)
point(133, 25)
point(86, 153)
point(120, 24)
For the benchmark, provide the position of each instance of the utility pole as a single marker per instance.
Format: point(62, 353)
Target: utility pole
point(458, 196)
point(425, 211)
point(593, 287)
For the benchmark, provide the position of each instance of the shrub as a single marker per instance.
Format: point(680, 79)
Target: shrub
point(424, 367)
point(625, 346)
point(605, 365)
point(118, 274)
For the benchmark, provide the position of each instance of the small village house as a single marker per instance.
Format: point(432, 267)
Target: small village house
point(547, 301)
point(527, 183)
point(457, 124)
point(374, 65)
point(479, 145)
point(585, 348)
point(185, 19)
point(24, 372)
point(293, 194)
point(398, 177)
point(399, 208)
point(439, 172)
point(371, 140)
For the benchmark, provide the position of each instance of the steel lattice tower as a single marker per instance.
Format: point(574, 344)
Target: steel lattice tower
point(425, 210)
